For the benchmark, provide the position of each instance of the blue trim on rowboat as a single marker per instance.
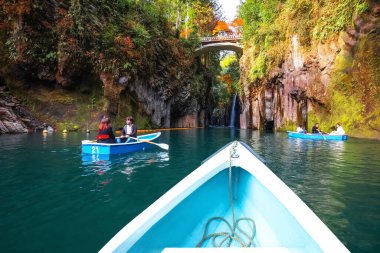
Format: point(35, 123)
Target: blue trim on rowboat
point(317, 136)
point(91, 147)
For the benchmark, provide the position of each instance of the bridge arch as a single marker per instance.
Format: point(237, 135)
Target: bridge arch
point(219, 46)
point(220, 42)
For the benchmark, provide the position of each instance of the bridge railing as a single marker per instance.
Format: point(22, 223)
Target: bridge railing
point(221, 38)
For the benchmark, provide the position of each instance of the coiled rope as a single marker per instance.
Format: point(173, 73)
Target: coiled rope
point(226, 238)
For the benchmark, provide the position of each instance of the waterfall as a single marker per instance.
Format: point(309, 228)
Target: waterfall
point(232, 119)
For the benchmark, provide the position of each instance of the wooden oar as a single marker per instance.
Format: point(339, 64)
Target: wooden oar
point(321, 134)
point(161, 145)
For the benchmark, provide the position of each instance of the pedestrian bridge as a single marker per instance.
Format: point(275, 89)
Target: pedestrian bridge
point(228, 42)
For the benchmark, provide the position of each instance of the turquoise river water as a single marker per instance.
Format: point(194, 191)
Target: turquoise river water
point(52, 199)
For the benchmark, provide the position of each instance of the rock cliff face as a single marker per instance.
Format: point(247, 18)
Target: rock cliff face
point(14, 118)
point(162, 94)
point(304, 83)
point(162, 91)
point(290, 91)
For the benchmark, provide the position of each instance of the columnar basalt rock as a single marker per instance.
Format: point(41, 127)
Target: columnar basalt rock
point(163, 93)
point(150, 101)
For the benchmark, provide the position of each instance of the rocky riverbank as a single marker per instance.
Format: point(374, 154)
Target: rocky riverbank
point(14, 118)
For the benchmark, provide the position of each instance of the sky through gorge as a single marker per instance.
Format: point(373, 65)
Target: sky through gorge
point(229, 8)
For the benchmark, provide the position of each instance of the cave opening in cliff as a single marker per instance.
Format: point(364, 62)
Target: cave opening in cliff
point(269, 126)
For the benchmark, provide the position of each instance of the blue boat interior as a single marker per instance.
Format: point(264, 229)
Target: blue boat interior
point(184, 225)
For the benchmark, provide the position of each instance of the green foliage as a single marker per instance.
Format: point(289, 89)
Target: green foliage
point(270, 25)
point(258, 16)
point(127, 66)
point(141, 35)
point(230, 66)
point(198, 88)
point(258, 69)
point(228, 61)
point(114, 36)
point(221, 94)
point(261, 34)
point(288, 126)
point(110, 32)
point(121, 37)
point(333, 16)
point(192, 42)
point(125, 3)
point(361, 7)
point(355, 91)
point(346, 109)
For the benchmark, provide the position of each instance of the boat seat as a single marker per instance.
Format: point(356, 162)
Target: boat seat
point(229, 250)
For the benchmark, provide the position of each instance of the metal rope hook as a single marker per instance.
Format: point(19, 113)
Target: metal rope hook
point(233, 152)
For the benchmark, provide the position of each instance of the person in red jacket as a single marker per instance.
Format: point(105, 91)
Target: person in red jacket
point(105, 133)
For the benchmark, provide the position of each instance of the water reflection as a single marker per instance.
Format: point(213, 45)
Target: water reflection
point(12, 142)
point(337, 150)
point(125, 164)
point(46, 134)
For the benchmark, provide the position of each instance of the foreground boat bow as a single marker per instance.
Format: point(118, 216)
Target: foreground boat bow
point(233, 183)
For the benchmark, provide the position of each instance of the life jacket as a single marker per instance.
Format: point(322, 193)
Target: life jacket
point(102, 135)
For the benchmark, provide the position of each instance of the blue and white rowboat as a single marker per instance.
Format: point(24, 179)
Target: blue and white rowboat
point(325, 137)
point(231, 184)
point(92, 147)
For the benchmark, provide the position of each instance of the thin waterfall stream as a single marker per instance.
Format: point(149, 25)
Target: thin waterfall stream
point(232, 119)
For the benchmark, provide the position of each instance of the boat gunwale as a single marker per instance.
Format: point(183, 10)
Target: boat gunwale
point(218, 162)
point(311, 136)
point(92, 143)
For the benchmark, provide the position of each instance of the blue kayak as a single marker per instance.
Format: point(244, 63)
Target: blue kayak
point(92, 147)
point(327, 137)
point(234, 201)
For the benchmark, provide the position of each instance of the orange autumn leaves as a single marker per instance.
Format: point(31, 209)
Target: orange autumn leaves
point(233, 27)
point(19, 7)
point(185, 33)
point(220, 26)
point(227, 79)
point(13, 9)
